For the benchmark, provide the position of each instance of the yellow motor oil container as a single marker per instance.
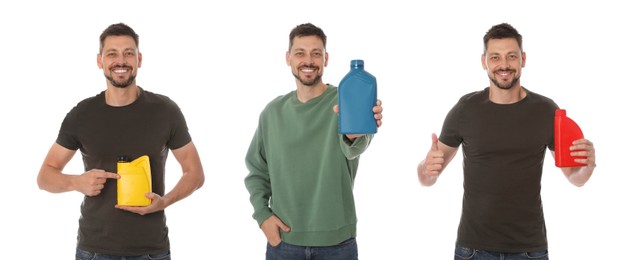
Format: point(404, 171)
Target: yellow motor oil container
point(134, 182)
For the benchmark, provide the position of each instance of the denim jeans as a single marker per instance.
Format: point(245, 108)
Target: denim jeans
point(85, 255)
point(346, 250)
point(464, 253)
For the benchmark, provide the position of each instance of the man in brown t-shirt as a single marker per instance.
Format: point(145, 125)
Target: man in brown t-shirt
point(504, 130)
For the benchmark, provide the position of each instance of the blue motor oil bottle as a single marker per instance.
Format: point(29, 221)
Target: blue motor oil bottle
point(357, 94)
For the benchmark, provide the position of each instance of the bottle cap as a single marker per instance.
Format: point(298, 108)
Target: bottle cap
point(357, 63)
point(560, 112)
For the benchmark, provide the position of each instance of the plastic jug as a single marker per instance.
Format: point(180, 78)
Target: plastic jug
point(357, 95)
point(566, 131)
point(134, 182)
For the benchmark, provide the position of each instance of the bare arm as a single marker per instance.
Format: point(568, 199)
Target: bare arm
point(51, 178)
point(578, 176)
point(438, 157)
point(191, 180)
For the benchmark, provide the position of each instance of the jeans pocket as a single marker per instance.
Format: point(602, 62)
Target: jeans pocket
point(160, 256)
point(276, 246)
point(84, 255)
point(537, 255)
point(461, 252)
point(348, 242)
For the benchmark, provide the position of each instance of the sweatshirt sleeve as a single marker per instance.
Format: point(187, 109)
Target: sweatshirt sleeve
point(356, 148)
point(258, 182)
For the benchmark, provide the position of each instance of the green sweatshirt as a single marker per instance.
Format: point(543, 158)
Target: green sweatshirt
point(303, 171)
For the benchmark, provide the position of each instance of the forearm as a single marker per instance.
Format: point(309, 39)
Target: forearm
point(259, 186)
point(578, 176)
point(355, 147)
point(190, 181)
point(258, 181)
point(424, 179)
point(53, 180)
point(50, 177)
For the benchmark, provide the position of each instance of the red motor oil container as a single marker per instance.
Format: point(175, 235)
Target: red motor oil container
point(566, 132)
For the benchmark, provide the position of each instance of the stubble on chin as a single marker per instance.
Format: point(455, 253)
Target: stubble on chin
point(505, 85)
point(119, 84)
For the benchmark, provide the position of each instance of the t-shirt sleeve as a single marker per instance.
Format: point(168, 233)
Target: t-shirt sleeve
point(179, 134)
point(553, 107)
point(450, 134)
point(68, 133)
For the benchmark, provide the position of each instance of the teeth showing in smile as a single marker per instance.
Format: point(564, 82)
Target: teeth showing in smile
point(120, 71)
point(307, 70)
point(504, 74)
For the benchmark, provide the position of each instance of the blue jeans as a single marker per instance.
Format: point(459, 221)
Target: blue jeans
point(85, 255)
point(461, 253)
point(346, 250)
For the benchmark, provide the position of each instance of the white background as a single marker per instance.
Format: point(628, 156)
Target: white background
point(222, 61)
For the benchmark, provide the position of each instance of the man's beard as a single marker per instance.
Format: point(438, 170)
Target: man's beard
point(307, 82)
point(121, 84)
point(310, 82)
point(505, 85)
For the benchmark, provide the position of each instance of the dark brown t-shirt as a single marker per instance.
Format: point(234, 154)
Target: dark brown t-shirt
point(151, 126)
point(503, 148)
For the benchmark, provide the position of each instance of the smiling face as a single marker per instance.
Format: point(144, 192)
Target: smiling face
point(120, 60)
point(503, 61)
point(307, 58)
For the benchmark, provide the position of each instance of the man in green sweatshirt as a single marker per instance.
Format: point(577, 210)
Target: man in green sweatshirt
point(301, 171)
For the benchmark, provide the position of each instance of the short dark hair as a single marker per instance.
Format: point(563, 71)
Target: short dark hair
point(502, 31)
point(306, 29)
point(118, 29)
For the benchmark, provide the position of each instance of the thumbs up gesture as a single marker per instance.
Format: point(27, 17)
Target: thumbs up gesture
point(438, 157)
point(433, 164)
